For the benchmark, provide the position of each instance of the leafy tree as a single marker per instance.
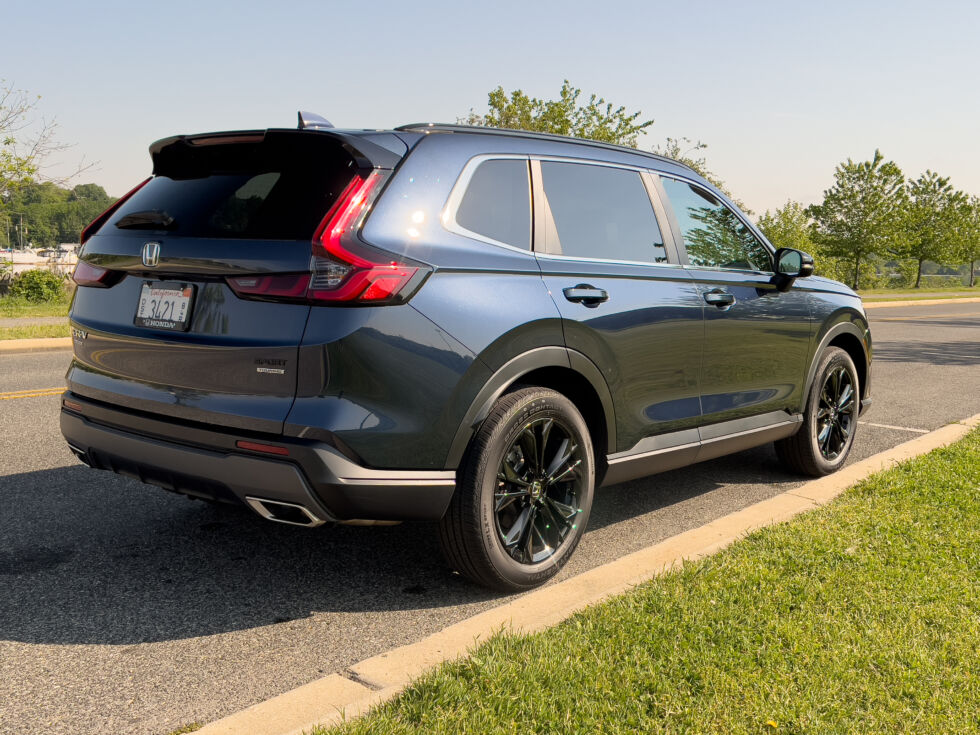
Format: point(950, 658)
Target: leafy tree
point(686, 151)
point(861, 214)
point(596, 120)
point(932, 220)
point(51, 214)
point(789, 227)
point(26, 141)
point(969, 240)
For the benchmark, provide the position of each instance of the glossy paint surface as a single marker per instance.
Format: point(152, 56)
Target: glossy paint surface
point(646, 339)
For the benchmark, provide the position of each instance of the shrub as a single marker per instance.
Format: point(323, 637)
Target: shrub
point(37, 286)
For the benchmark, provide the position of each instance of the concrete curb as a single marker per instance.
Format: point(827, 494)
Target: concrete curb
point(42, 344)
point(920, 302)
point(366, 684)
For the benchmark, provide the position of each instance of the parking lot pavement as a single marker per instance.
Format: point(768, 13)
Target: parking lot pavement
point(127, 609)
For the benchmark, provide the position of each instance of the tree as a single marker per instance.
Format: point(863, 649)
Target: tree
point(26, 141)
point(969, 239)
point(932, 221)
point(861, 214)
point(596, 120)
point(789, 227)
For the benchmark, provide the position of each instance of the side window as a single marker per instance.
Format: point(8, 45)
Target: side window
point(713, 235)
point(497, 203)
point(601, 212)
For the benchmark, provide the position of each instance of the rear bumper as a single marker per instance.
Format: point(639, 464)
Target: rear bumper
point(199, 461)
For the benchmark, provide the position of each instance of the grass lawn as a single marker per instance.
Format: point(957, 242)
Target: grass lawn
point(15, 307)
point(912, 294)
point(33, 331)
point(862, 617)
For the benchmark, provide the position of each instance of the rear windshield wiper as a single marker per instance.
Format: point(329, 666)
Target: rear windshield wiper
point(150, 219)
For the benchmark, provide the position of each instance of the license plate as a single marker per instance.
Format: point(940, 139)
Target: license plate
point(165, 305)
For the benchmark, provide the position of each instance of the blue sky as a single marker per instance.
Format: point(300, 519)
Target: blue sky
point(780, 91)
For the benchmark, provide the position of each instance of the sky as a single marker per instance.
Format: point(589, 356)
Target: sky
point(781, 92)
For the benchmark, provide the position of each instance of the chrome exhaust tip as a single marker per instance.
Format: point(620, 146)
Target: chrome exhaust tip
point(291, 513)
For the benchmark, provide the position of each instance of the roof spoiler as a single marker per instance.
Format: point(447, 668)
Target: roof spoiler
point(168, 153)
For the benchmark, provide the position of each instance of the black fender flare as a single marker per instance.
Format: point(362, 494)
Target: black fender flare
point(511, 372)
point(844, 327)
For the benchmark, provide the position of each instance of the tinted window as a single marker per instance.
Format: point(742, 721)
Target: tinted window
point(497, 203)
point(273, 190)
point(713, 235)
point(601, 212)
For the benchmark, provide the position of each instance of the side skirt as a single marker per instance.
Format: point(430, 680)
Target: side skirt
point(678, 449)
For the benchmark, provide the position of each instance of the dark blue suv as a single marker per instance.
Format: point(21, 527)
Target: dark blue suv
point(465, 325)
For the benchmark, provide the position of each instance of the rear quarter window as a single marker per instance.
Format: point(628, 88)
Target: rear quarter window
point(497, 203)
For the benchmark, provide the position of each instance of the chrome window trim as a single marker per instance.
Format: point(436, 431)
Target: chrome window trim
point(540, 199)
point(448, 215)
point(682, 245)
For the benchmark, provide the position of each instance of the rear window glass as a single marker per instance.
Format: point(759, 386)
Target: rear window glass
point(274, 190)
point(601, 212)
point(497, 203)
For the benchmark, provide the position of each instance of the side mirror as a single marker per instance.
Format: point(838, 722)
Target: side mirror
point(790, 265)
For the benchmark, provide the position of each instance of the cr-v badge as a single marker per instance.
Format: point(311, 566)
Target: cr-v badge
point(151, 254)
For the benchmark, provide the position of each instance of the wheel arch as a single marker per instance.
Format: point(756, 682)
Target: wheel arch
point(558, 368)
point(851, 337)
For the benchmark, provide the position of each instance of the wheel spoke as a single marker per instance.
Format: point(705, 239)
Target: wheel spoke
point(514, 535)
point(505, 500)
point(846, 396)
point(564, 473)
point(527, 543)
point(564, 452)
point(824, 434)
point(510, 475)
point(567, 512)
point(529, 444)
point(543, 444)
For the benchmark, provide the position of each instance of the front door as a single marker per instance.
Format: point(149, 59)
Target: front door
point(756, 338)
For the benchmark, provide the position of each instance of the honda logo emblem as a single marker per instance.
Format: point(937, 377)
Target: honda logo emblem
point(151, 254)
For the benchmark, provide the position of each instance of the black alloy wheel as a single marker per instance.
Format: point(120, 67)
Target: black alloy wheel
point(836, 413)
point(830, 419)
point(538, 490)
point(523, 493)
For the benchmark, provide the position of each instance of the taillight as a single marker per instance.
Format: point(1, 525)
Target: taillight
point(341, 269)
point(86, 274)
point(95, 224)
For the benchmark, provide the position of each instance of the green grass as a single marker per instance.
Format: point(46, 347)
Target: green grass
point(193, 727)
point(911, 294)
point(18, 307)
point(863, 617)
point(34, 331)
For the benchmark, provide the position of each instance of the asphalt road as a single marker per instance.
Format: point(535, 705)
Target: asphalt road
point(126, 609)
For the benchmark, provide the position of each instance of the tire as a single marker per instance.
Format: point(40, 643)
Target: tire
point(830, 408)
point(509, 527)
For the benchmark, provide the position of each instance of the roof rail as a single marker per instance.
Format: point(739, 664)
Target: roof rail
point(457, 128)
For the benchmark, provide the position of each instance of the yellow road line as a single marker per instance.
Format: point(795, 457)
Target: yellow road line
point(31, 393)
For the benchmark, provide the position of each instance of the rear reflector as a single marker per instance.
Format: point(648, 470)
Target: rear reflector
point(260, 447)
point(72, 406)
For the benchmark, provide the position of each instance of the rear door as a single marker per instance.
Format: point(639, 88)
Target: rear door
point(168, 335)
point(626, 303)
point(756, 337)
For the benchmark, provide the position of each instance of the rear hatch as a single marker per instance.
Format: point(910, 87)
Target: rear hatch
point(157, 326)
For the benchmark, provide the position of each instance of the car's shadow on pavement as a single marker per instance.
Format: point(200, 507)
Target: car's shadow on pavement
point(90, 557)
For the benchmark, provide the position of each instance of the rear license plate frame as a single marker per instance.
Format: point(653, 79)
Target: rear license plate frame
point(167, 324)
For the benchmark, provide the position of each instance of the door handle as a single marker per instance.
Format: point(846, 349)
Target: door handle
point(586, 294)
point(719, 298)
